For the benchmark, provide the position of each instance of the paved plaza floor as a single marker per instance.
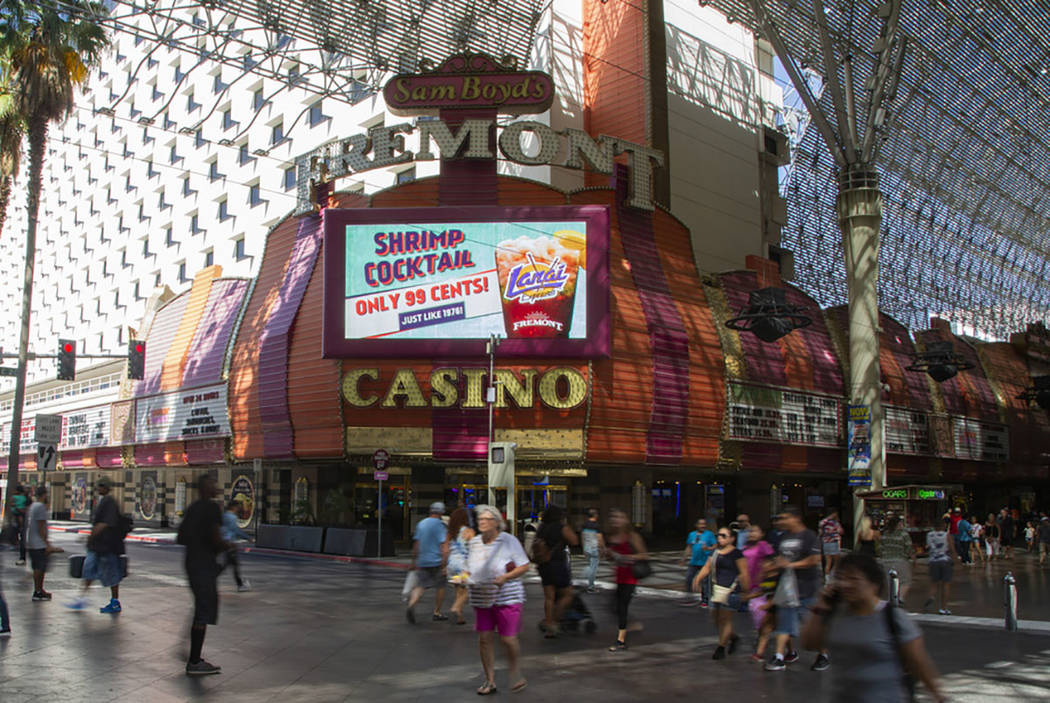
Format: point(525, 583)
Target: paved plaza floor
point(313, 630)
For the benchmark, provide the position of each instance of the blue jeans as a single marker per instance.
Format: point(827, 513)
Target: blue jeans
point(592, 569)
point(962, 548)
point(705, 585)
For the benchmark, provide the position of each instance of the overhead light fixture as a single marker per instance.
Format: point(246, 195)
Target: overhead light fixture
point(1039, 391)
point(940, 361)
point(769, 316)
point(146, 121)
point(225, 142)
point(260, 152)
point(105, 111)
point(187, 130)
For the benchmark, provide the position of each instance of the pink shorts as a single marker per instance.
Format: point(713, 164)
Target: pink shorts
point(504, 619)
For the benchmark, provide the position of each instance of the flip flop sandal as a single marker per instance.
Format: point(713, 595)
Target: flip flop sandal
point(520, 686)
point(487, 689)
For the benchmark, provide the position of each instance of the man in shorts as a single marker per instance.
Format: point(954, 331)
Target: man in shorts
point(38, 543)
point(940, 547)
point(105, 544)
point(429, 554)
point(199, 532)
point(699, 545)
point(1043, 535)
point(799, 551)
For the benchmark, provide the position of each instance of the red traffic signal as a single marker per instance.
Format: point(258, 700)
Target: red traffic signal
point(67, 360)
point(136, 359)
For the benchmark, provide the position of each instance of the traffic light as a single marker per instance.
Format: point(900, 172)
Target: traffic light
point(67, 360)
point(136, 359)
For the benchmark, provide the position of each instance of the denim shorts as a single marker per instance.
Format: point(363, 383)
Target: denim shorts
point(104, 568)
point(789, 620)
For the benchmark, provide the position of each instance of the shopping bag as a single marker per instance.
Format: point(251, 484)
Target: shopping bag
point(786, 595)
point(411, 581)
point(76, 566)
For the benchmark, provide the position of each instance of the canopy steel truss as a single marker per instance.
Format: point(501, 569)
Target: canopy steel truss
point(960, 139)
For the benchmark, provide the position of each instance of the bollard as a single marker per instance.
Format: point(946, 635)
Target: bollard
point(895, 588)
point(1010, 601)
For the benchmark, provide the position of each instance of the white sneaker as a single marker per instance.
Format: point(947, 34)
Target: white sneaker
point(245, 586)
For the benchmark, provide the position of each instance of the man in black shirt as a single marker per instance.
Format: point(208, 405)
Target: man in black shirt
point(798, 551)
point(200, 534)
point(105, 544)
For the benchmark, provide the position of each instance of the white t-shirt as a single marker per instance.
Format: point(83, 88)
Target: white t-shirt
point(484, 565)
point(37, 512)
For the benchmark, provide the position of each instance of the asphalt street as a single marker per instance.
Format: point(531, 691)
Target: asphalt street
point(318, 631)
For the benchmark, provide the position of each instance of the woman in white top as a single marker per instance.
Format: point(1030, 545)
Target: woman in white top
point(495, 566)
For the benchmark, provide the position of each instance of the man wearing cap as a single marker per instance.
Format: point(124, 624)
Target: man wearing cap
point(429, 554)
point(105, 544)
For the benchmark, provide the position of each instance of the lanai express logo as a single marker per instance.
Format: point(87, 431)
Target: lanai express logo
point(538, 278)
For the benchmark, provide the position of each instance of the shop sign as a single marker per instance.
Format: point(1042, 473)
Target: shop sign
point(561, 388)
point(182, 415)
point(180, 497)
point(85, 428)
point(766, 414)
point(243, 497)
point(27, 443)
point(929, 494)
point(471, 81)
point(896, 494)
point(980, 441)
point(535, 277)
point(907, 431)
point(384, 146)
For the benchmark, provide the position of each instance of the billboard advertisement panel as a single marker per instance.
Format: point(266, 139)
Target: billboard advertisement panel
point(441, 280)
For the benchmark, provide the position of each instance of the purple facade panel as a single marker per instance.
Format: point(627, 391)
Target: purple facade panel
point(274, 341)
point(159, 338)
point(205, 356)
point(765, 362)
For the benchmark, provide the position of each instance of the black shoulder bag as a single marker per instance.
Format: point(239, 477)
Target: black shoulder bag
point(895, 636)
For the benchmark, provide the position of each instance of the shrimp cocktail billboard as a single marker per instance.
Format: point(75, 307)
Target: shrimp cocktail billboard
point(440, 280)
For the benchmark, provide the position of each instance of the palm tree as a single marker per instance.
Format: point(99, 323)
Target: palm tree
point(12, 130)
point(47, 49)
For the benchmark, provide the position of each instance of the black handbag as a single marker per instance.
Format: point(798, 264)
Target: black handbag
point(641, 569)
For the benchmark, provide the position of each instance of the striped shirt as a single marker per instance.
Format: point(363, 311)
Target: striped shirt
point(484, 565)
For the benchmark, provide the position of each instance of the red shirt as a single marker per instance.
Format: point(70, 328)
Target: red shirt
point(955, 524)
point(624, 572)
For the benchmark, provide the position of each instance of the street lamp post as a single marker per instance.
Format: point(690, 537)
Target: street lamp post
point(490, 398)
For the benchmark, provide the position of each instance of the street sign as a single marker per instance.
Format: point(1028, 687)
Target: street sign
point(380, 459)
point(48, 429)
point(380, 476)
point(8, 371)
point(46, 457)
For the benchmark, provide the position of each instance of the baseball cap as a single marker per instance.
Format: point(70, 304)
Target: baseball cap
point(437, 507)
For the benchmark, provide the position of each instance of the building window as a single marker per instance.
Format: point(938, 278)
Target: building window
point(317, 115)
point(277, 136)
point(198, 139)
point(238, 249)
point(407, 175)
point(173, 156)
point(258, 100)
point(169, 237)
point(227, 119)
point(145, 247)
point(138, 287)
point(224, 212)
point(124, 259)
point(182, 272)
point(195, 224)
point(289, 178)
point(191, 105)
point(186, 190)
point(217, 85)
point(254, 195)
point(243, 157)
point(209, 258)
point(213, 171)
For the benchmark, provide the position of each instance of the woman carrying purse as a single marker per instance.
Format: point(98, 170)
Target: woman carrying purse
point(729, 567)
